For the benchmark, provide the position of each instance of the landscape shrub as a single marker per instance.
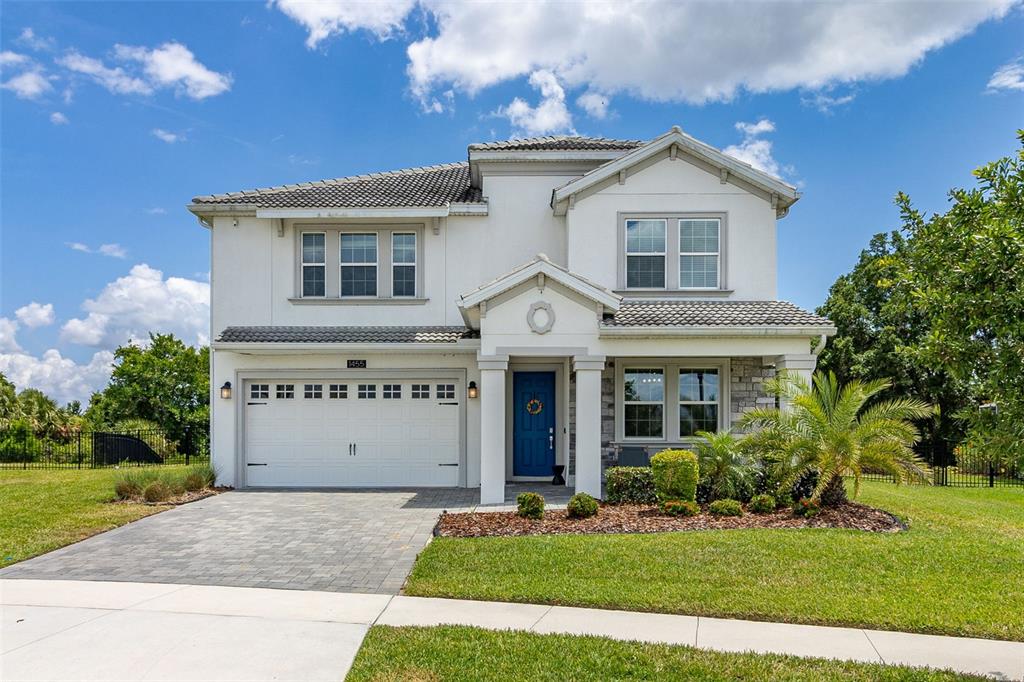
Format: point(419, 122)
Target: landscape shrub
point(581, 506)
point(806, 507)
point(194, 482)
point(19, 443)
point(762, 504)
point(727, 468)
point(675, 475)
point(680, 508)
point(726, 508)
point(629, 485)
point(804, 485)
point(126, 490)
point(156, 492)
point(530, 505)
point(206, 472)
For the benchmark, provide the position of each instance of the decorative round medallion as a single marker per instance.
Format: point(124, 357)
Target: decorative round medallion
point(541, 317)
point(534, 407)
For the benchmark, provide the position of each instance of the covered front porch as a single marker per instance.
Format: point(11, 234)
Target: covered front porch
point(583, 413)
point(573, 375)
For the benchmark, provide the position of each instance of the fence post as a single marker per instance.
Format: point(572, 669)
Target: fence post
point(188, 445)
point(79, 439)
point(991, 475)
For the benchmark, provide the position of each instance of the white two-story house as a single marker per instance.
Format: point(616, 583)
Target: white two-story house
point(551, 302)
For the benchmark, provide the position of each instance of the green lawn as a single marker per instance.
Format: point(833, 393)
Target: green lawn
point(41, 510)
point(463, 653)
point(959, 570)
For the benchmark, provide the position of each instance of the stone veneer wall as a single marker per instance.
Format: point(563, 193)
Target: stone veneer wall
point(746, 391)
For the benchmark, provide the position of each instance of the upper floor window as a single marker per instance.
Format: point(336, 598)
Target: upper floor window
point(403, 264)
point(359, 264)
point(673, 251)
point(645, 254)
point(698, 253)
point(314, 264)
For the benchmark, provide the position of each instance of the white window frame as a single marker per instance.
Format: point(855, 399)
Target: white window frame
point(445, 392)
point(284, 391)
point(626, 252)
point(717, 254)
point(664, 395)
point(302, 259)
point(391, 392)
point(259, 391)
point(414, 264)
point(680, 402)
point(312, 391)
point(366, 391)
point(337, 391)
point(375, 264)
point(671, 367)
point(420, 392)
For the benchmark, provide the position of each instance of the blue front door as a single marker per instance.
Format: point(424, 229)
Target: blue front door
point(533, 423)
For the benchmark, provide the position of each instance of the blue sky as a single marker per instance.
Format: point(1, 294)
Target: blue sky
point(115, 114)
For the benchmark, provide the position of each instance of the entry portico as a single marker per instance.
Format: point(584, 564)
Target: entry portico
point(599, 350)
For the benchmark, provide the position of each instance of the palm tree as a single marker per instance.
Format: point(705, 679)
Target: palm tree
point(725, 465)
point(831, 429)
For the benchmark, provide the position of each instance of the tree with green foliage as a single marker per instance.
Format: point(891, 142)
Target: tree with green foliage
point(8, 402)
point(965, 273)
point(831, 429)
point(166, 382)
point(879, 330)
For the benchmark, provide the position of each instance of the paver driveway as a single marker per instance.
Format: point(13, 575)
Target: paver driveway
point(339, 541)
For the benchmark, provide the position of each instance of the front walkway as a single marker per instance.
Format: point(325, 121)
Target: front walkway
point(122, 631)
point(326, 540)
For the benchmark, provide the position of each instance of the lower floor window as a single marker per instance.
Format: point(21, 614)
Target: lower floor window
point(698, 401)
point(643, 403)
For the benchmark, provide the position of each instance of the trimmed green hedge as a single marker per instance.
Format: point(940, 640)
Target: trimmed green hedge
point(530, 505)
point(675, 475)
point(629, 485)
point(726, 508)
point(581, 506)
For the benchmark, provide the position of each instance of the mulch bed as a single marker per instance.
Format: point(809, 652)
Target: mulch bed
point(629, 518)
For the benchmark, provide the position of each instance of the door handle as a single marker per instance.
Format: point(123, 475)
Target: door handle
point(551, 442)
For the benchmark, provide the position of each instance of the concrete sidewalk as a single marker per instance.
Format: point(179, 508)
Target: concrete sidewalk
point(52, 629)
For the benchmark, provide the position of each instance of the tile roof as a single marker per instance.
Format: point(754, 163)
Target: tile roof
point(558, 143)
point(345, 334)
point(410, 187)
point(713, 314)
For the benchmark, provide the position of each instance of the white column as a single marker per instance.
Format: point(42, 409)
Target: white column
point(800, 365)
point(588, 424)
point(492, 428)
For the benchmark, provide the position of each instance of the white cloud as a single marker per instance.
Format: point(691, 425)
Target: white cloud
point(660, 50)
point(825, 102)
point(550, 115)
point(141, 302)
point(594, 103)
point(167, 136)
point(30, 84)
point(1009, 76)
point(58, 119)
point(8, 332)
point(693, 52)
point(156, 210)
point(174, 65)
point(29, 39)
point(112, 250)
point(59, 377)
point(8, 58)
point(146, 70)
point(754, 149)
point(35, 314)
point(115, 80)
point(324, 18)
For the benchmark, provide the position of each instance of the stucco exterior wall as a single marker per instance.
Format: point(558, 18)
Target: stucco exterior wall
point(592, 225)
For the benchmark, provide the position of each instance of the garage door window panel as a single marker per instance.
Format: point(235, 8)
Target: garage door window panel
point(367, 392)
point(421, 391)
point(392, 392)
point(259, 391)
point(337, 391)
point(313, 391)
point(285, 391)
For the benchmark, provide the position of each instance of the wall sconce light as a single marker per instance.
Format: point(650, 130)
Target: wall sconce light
point(225, 391)
point(472, 391)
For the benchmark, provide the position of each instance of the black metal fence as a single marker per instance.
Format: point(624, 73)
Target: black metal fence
point(966, 466)
point(98, 449)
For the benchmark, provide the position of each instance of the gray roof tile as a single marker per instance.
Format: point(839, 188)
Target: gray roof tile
point(558, 143)
point(712, 314)
point(411, 187)
point(345, 334)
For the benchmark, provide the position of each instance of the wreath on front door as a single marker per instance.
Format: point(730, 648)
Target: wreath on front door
point(534, 407)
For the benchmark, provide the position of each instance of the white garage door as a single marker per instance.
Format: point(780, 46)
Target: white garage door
point(365, 433)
